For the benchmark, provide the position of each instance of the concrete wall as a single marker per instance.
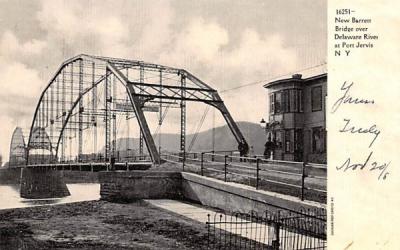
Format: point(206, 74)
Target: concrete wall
point(127, 186)
point(121, 186)
point(236, 197)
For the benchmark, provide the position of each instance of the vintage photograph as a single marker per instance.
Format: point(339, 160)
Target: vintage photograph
point(163, 124)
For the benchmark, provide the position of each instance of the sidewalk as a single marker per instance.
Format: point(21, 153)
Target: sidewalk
point(257, 232)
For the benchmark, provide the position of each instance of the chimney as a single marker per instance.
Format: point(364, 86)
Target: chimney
point(296, 76)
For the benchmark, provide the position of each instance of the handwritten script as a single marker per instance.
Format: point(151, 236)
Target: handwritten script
point(352, 128)
point(346, 98)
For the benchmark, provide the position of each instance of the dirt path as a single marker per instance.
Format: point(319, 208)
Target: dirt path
point(98, 225)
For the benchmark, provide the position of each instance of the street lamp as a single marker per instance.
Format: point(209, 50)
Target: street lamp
point(263, 124)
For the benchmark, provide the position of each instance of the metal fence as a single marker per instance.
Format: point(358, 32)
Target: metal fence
point(272, 230)
point(304, 180)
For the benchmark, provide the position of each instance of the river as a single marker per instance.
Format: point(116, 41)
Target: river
point(10, 198)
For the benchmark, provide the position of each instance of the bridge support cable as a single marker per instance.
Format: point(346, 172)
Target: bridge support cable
point(203, 117)
point(41, 139)
point(160, 117)
point(52, 119)
point(213, 132)
point(63, 110)
point(183, 115)
point(107, 103)
point(80, 112)
point(141, 80)
point(127, 149)
point(158, 129)
point(57, 104)
point(73, 123)
point(114, 119)
point(94, 108)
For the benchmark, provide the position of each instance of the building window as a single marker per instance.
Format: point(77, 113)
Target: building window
point(298, 140)
point(289, 140)
point(300, 96)
point(278, 139)
point(278, 102)
point(293, 102)
point(272, 103)
point(285, 101)
point(316, 98)
point(318, 140)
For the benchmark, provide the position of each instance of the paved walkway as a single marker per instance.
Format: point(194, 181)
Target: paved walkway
point(260, 233)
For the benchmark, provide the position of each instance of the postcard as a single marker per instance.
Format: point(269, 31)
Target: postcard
point(199, 124)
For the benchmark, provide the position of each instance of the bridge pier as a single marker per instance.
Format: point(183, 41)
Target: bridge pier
point(42, 182)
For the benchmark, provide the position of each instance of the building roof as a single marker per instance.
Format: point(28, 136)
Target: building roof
point(296, 78)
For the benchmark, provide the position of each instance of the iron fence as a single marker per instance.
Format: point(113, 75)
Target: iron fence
point(271, 230)
point(304, 180)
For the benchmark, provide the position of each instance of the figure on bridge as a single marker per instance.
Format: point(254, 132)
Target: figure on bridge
point(243, 148)
point(269, 148)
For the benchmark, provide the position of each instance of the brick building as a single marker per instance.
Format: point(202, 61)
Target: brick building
point(297, 118)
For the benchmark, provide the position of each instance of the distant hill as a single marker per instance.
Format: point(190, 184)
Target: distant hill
point(224, 139)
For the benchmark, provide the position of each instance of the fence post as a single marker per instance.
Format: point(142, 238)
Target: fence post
point(303, 176)
point(275, 242)
point(208, 231)
point(183, 160)
point(276, 223)
point(225, 166)
point(201, 163)
point(257, 172)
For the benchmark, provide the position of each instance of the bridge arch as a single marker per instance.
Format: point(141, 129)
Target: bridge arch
point(83, 92)
point(17, 148)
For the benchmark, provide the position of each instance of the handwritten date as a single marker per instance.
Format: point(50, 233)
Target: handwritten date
point(368, 164)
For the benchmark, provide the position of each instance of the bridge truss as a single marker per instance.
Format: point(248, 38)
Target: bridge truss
point(88, 94)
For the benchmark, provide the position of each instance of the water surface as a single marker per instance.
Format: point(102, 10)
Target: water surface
point(10, 198)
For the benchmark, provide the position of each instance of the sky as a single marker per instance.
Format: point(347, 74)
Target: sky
point(225, 43)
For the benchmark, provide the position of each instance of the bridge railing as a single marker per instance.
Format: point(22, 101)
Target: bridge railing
point(99, 158)
point(300, 179)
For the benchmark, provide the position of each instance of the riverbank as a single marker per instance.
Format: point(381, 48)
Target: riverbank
point(98, 225)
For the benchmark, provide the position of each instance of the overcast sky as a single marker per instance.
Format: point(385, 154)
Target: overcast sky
point(224, 43)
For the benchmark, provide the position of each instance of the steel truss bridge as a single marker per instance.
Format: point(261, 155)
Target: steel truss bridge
point(77, 115)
